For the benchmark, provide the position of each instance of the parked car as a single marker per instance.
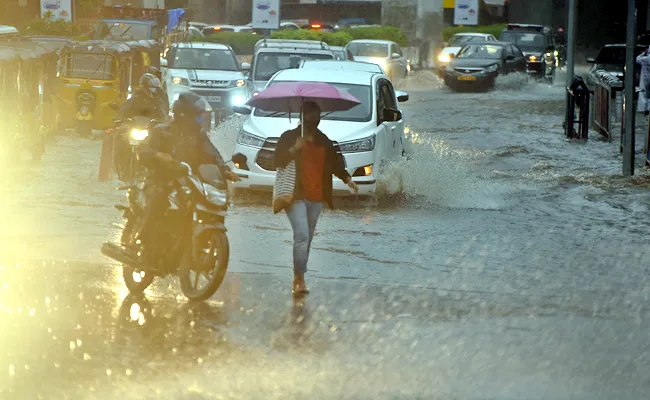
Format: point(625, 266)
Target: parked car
point(536, 41)
point(273, 55)
point(453, 46)
point(368, 135)
point(194, 31)
point(211, 29)
point(324, 65)
point(341, 53)
point(611, 58)
point(478, 64)
point(385, 53)
point(210, 70)
point(318, 26)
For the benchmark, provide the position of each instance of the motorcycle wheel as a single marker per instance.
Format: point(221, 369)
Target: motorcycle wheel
point(210, 269)
point(136, 280)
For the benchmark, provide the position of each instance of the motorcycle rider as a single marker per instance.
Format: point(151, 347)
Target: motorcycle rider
point(184, 139)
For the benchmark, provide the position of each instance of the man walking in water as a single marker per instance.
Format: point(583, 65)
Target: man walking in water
point(644, 60)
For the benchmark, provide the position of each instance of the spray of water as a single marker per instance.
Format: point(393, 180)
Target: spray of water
point(437, 175)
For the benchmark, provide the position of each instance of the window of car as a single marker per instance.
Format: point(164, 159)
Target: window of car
point(484, 51)
point(385, 98)
point(526, 40)
point(507, 51)
point(517, 51)
point(267, 64)
point(359, 113)
point(207, 59)
point(361, 49)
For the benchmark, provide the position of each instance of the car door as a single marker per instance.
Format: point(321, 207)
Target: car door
point(509, 60)
point(520, 59)
point(393, 136)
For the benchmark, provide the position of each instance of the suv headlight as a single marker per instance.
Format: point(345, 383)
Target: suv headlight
point(357, 146)
point(492, 68)
point(238, 83)
point(247, 139)
point(215, 196)
point(177, 80)
point(139, 134)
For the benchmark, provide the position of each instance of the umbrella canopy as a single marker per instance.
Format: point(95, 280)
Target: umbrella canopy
point(290, 96)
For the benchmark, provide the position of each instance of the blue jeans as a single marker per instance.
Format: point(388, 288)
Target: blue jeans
point(303, 215)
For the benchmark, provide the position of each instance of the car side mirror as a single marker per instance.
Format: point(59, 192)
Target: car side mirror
point(591, 60)
point(245, 66)
point(402, 97)
point(452, 56)
point(392, 115)
point(395, 56)
point(243, 109)
point(163, 62)
point(239, 159)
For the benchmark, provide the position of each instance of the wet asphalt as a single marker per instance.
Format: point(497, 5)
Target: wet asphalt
point(499, 262)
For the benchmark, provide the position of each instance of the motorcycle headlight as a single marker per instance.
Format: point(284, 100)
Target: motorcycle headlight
point(177, 80)
point(238, 83)
point(249, 140)
point(357, 146)
point(215, 196)
point(492, 68)
point(139, 134)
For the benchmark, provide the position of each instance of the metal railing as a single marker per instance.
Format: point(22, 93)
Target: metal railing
point(605, 103)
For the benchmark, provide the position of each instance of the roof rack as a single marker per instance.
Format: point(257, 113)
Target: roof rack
point(292, 44)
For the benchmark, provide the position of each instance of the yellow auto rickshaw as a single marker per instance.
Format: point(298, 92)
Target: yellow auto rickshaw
point(95, 74)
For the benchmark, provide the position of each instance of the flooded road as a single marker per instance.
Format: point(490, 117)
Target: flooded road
point(499, 261)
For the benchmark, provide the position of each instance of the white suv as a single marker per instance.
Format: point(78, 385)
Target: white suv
point(369, 135)
point(210, 70)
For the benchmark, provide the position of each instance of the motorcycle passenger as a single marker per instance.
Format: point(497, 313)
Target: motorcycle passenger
point(162, 93)
point(184, 139)
point(145, 101)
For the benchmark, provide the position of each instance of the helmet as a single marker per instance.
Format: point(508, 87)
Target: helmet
point(193, 110)
point(150, 83)
point(153, 71)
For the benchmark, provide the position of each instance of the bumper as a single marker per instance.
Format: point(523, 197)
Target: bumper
point(256, 178)
point(456, 79)
point(535, 68)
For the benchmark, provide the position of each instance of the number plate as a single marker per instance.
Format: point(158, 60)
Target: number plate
point(466, 78)
point(213, 99)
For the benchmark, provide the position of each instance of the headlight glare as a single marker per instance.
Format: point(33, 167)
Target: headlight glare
point(357, 146)
point(238, 100)
point(177, 80)
point(247, 139)
point(238, 83)
point(444, 57)
point(139, 134)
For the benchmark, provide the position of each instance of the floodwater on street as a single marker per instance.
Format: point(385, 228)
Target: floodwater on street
point(498, 261)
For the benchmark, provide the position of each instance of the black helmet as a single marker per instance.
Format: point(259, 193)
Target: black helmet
point(153, 71)
point(150, 84)
point(193, 110)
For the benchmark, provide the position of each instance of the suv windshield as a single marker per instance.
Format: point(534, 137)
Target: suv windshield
point(360, 113)
point(526, 40)
point(489, 51)
point(121, 31)
point(212, 59)
point(369, 49)
point(267, 64)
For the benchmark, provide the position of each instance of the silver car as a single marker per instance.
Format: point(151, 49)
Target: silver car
point(384, 53)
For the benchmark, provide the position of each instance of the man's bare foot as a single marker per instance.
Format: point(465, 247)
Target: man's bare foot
point(299, 285)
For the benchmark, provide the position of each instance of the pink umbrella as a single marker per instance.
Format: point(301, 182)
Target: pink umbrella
point(290, 96)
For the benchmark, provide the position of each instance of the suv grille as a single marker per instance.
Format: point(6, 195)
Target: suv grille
point(210, 83)
point(265, 157)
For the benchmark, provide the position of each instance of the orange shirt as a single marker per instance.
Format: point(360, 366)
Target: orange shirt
point(313, 165)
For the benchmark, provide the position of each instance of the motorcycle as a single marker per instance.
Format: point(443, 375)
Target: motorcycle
point(191, 241)
point(132, 134)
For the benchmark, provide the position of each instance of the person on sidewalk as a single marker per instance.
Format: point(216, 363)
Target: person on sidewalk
point(316, 162)
point(644, 60)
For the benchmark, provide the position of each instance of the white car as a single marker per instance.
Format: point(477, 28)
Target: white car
point(211, 29)
point(207, 69)
point(455, 44)
point(384, 53)
point(369, 136)
point(342, 66)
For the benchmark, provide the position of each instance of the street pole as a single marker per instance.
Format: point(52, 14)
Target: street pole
point(570, 66)
point(628, 105)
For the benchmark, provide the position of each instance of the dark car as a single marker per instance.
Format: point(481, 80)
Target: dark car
point(611, 58)
point(478, 64)
point(536, 41)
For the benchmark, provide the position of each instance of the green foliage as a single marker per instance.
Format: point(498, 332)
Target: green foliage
point(244, 42)
point(391, 33)
point(52, 27)
point(331, 38)
point(241, 42)
point(487, 29)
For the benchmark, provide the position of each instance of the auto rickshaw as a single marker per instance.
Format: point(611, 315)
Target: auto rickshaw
point(95, 74)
